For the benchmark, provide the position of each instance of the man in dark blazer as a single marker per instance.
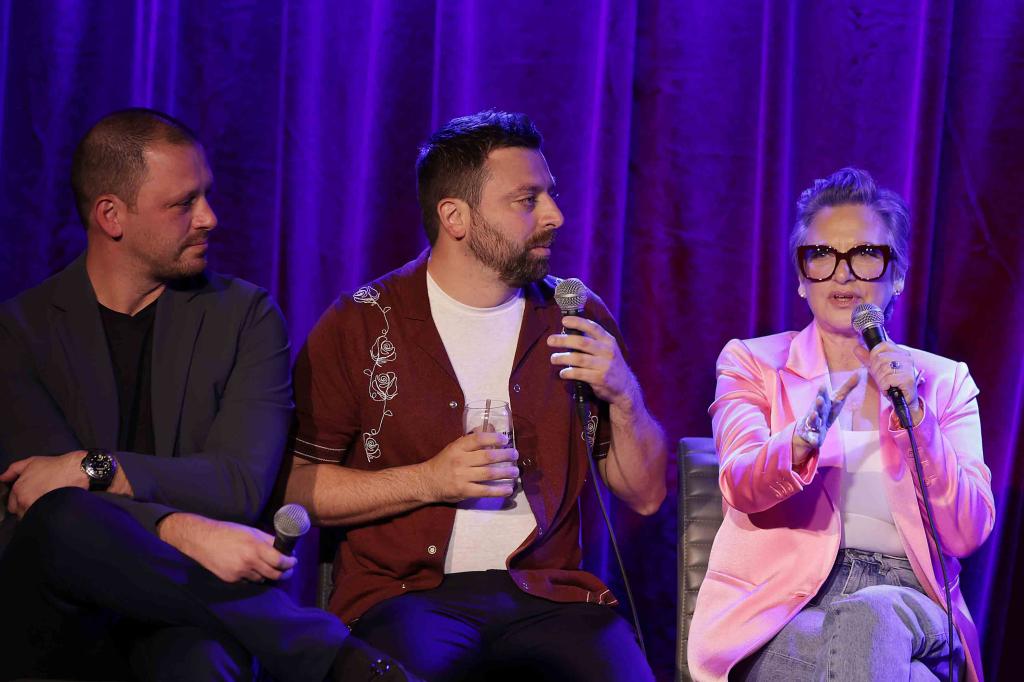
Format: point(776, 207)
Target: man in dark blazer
point(148, 403)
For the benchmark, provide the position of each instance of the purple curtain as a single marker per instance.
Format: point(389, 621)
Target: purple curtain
point(681, 133)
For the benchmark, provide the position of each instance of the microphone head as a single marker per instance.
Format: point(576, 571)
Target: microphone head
point(867, 316)
point(571, 296)
point(291, 521)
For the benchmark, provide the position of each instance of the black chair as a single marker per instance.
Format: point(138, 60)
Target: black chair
point(328, 543)
point(700, 515)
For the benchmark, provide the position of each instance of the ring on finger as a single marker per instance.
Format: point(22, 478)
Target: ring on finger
point(894, 365)
point(809, 429)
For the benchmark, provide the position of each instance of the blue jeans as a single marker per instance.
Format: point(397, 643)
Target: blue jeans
point(870, 621)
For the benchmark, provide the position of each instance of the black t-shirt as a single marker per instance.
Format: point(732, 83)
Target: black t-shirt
point(130, 340)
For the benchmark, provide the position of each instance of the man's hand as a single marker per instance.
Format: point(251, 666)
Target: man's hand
point(230, 551)
point(594, 358)
point(32, 478)
point(468, 468)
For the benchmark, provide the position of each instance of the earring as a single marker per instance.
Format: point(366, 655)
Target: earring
point(801, 292)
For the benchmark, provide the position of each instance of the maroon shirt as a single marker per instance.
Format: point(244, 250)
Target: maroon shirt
point(375, 389)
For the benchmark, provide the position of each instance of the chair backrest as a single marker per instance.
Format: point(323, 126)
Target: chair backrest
point(700, 515)
point(328, 541)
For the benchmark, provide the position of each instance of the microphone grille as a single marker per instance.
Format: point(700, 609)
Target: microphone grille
point(291, 521)
point(571, 295)
point(866, 316)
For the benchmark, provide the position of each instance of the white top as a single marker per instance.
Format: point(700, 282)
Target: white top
point(864, 506)
point(481, 344)
point(867, 522)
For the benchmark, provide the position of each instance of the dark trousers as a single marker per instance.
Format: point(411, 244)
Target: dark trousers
point(480, 626)
point(88, 592)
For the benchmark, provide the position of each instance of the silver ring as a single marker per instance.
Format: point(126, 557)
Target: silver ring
point(895, 365)
point(808, 431)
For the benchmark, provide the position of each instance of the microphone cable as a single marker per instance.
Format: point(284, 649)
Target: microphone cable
point(868, 320)
point(903, 414)
point(583, 412)
point(571, 296)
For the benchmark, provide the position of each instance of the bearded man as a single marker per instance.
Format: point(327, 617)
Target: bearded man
point(461, 553)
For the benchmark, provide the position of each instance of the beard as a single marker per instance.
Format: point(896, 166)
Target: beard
point(182, 264)
point(515, 265)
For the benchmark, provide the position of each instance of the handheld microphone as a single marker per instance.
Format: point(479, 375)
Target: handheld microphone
point(291, 522)
point(571, 296)
point(869, 321)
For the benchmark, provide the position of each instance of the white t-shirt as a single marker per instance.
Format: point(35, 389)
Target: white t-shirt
point(481, 344)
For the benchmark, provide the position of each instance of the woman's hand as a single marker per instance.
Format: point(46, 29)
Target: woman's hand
point(811, 429)
point(893, 367)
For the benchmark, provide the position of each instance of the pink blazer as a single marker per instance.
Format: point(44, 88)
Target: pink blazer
point(782, 528)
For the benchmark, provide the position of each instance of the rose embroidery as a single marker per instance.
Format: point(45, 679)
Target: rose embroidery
point(371, 446)
point(384, 387)
point(383, 351)
point(591, 431)
point(366, 294)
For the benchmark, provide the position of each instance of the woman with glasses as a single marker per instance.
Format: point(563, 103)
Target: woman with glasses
point(825, 567)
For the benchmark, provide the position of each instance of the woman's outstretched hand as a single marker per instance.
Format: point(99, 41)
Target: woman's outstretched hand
point(811, 428)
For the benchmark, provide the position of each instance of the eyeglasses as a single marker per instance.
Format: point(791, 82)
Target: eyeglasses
point(867, 262)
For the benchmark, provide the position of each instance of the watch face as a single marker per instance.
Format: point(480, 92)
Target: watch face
point(99, 466)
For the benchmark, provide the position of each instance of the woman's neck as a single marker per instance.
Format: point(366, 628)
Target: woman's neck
point(839, 351)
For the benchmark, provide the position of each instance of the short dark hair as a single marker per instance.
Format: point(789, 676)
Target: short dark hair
point(451, 162)
point(855, 186)
point(110, 158)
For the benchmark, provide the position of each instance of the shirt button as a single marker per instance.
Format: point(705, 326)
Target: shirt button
point(432, 549)
point(453, 404)
point(540, 532)
point(517, 388)
point(403, 586)
point(526, 462)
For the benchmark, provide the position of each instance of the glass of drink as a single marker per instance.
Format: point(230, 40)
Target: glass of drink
point(491, 416)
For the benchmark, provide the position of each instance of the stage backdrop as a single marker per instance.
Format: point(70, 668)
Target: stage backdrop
point(681, 133)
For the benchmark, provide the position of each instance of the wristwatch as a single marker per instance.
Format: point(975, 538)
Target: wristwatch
point(100, 466)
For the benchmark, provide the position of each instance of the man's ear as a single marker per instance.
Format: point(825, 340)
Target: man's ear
point(455, 217)
point(107, 212)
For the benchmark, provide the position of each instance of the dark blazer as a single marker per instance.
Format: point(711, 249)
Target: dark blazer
point(220, 383)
